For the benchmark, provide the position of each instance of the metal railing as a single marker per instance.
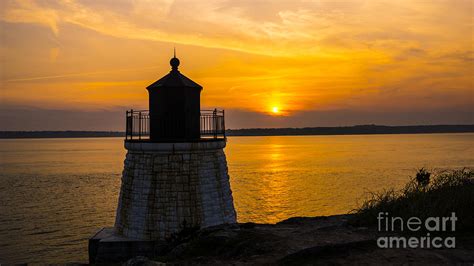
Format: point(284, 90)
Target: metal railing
point(137, 125)
point(212, 125)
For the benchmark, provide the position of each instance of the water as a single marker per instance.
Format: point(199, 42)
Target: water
point(55, 193)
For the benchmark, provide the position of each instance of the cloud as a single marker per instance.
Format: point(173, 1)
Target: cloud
point(55, 54)
point(29, 119)
point(28, 11)
point(252, 55)
point(276, 28)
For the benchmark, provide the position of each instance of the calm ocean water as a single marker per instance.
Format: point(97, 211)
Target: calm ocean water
point(55, 193)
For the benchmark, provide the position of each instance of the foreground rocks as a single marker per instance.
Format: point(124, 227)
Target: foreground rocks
point(299, 241)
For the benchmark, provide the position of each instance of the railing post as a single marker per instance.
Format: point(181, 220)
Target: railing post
point(223, 123)
point(131, 124)
point(126, 125)
point(214, 119)
point(139, 125)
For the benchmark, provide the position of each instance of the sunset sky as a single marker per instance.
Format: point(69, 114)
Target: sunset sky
point(79, 64)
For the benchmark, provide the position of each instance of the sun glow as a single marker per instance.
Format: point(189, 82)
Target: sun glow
point(288, 65)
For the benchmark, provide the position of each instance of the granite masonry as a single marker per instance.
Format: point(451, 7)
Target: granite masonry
point(167, 187)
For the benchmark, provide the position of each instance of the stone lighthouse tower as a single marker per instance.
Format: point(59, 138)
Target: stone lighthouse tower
point(175, 171)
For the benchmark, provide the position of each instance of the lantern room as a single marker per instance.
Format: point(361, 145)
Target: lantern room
point(174, 113)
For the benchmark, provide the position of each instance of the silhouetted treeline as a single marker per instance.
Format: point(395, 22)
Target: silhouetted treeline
point(59, 134)
point(351, 130)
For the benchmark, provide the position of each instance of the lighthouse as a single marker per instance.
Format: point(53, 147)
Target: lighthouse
point(175, 171)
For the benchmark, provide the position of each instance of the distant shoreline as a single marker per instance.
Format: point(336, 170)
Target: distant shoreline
point(349, 130)
point(352, 130)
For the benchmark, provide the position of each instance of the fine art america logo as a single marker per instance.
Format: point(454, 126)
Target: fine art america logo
point(387, 223)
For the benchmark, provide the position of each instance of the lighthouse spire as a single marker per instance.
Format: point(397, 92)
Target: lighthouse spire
point(174, 62)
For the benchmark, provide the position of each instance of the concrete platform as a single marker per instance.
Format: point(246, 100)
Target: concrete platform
point(107, 247)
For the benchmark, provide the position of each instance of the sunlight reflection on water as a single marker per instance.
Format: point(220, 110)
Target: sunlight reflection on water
point(55, 193)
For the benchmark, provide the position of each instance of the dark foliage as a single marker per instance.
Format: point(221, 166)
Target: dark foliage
point(439, 196)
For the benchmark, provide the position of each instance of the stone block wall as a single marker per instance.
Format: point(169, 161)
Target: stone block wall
point(169, 186)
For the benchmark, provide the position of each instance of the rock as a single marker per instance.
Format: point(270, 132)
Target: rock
point(142, 261)
point(300, 241)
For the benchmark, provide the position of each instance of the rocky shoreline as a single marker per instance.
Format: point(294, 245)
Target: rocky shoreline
point(299, 241)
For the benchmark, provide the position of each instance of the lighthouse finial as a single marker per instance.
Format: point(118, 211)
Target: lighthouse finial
point(174, 62)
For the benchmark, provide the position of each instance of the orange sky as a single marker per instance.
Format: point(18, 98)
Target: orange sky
point(72, 64)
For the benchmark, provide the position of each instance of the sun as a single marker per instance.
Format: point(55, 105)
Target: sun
point(275, 110)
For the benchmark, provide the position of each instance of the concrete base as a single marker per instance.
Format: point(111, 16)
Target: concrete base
point(108, 247)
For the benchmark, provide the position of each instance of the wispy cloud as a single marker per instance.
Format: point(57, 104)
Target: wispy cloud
point(115, 71)
point(298, 55)
point(271, 28)
point(28, 11)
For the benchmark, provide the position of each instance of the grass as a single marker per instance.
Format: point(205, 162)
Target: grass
point(425, 195)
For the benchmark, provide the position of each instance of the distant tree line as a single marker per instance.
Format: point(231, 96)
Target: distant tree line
point(59, 134)
point(349, 130)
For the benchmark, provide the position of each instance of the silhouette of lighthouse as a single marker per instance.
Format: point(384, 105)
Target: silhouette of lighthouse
point(175, 171)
